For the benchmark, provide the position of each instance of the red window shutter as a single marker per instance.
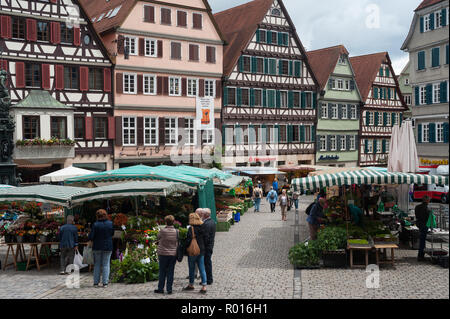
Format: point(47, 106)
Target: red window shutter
point(55, 32)
point(183, 86)
point(111, 127)
point(59, 75)
point(140, 84)
point(89, 129)
point(6, 27)
point(121, 44)
point(149, 14)
point(166, 85)
point(201, 88)
point(218, 89)
point(119, 83)
point(159, 85)
point(46, 76)
point(160, 49)
point(141, 46)
point(20, 75)
point(118, 137)
point(107, 80)
point(84, 78)
point(31, 30)
point(76, 36)
point(140, 131)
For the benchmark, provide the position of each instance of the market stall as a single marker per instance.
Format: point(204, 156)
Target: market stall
point(63, 174)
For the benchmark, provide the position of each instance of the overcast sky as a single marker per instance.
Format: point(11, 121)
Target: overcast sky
point(325, 23)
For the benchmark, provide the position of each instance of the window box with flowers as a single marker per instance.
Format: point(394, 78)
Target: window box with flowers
point(42, 148)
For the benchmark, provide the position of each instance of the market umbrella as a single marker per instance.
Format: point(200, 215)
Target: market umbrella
point(6, 186)
point(394, 155)
point(406, 151)
point(63, 174)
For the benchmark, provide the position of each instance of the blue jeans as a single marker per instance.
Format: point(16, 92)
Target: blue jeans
point(296, 203)
point(200, 261)
point(257, 203)
point(101, 264)
point(208, 268)
point(423, 231)
point(166, 270)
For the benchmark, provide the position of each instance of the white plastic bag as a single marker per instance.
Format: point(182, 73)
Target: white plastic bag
point(78, 260)
point(88, 256)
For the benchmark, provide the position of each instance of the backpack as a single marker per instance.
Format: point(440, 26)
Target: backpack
point(272, 195)
point(256, 193)
point(193, 249)
point(309, 208)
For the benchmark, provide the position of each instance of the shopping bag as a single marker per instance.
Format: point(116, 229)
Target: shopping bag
point(78, 260)
point(193, 249)
point(431, 223)
point(88, 256)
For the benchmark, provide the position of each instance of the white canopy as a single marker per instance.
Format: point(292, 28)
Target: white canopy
point(63, 174)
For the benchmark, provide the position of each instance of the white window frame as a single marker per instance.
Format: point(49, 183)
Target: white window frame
point(208, 139)
point(146, 88)
point(353, 112)
point(127, 88)
point(212, 94)
point(437, 19)
point(396, 118)
point(148, 42)
point(379, 146)
point(333, 139)
point(172, 131)
point(347, 85)
point(407, 99)
point(342, 59)
point(352, 143)
point(343, 143)
point(323, 143)
point(380, 119)
point(344, 112)
point(286, 100)
point(190, 129)
point(324, 110)
point(190, 91)
point(436, 93)
point(422, 95)
point(130, 39)
point(334, 111)
point(340, 84)
point(426, 23)
point(389, 119)
point(129, 128)
point(440, 132)
point(172, 82)
point(333, 84)
point(370, 146)
point(426, 129)
point(149, 128)
point(371, 119)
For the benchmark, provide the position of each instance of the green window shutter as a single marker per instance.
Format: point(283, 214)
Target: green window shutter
point(253, 64)
point(443, 92)
point(376, 118)
point(313, 133)
point(266, 66)
point(291, 99)
point(375, 144)
point(384, 147)
point(366, 146)
point(280, 69)
point(375, 93)
point(429, 93)
point(291, 67)
point(389, 94)
point(239, 97)
point(280, 38)
point(258, 36)
point(264, 101)
point(435, 59)
point(278, 99)
point(417, 95)
point(271, 98)
point(385, 115)
point(303, 96)
point(302, 133)
point(241, 64)
point(298, 67)
point(273, 67)
point(290, 133)
point(269, 37)
point(446, 132)
point(401, 119)
point(421, 60)
point(252, 97)
point(392, 119)
point(432, 21)
point(444, 17)
point(432, 134)
point(381, 71)
point(421, 25)
point(367, 117)
point(314, 100)
point(387, 72)
point(419, 133)
point(225, 96)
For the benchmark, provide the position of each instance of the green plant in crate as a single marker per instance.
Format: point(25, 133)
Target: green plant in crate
point(304, 254)
point(332, 238)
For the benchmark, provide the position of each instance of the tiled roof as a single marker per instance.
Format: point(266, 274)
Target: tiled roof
point(238, 25)
point(427, 3)
point(366, 68)
point(323, 62)
point(41, 99)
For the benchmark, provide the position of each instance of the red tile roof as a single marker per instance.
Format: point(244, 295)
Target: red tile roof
point(238, 25)
point(366, 68)
point(323, 62)
point(427, 3)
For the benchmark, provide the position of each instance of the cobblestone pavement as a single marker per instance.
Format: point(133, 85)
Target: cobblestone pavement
point(250, 261)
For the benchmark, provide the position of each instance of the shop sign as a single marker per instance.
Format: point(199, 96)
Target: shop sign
point(328, 158)
point(434, 162)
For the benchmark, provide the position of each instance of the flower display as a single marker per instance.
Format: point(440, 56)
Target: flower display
point(50, 142)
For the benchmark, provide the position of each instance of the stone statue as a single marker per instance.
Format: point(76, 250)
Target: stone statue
point(7, 124)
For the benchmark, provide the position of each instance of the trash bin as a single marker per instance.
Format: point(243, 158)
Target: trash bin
point(237, 217)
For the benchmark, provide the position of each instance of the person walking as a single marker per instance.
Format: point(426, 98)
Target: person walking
point(209, 227)
point(283, 199)
point(422, 213)
point(167, 255)
point(196, 231)
point(295, 197)
point(257, 195)
point(102, 245)
point(315, 218)
point(68, 243)
point(272, 197)
point(275, 185)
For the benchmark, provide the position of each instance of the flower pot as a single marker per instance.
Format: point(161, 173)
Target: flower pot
point(334, 258)
point(19, 239)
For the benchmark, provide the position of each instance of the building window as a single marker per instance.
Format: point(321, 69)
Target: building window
point(426, 133)
point(170, 131)
point(274, 37)
point(426, 23)
point(149, 84)
point(388, 119)
point(407, 99)
point(181, 18)
point(32, 75)
point(197, 21)
point(324, 111)
point(210, 54)
point(258, 97)
point(436, 93)
point(151, 48)
point(31, 128)
point(194, 52)
point(296, 99)
point(100, 127)
point(43, 31)
point(231, 96)
point(344, 112)
point(262, 36)
point(379, 146)
point(71, 77)
point(276, 12)
point(369, 146)
point(308, 100)
point(192, 87)
point(129, 81)
point(129, 131)
point(283, 67)
point(353, 112)
point(352, 142)
point(189, 131)
point(18, 28)
point(174, 86)
point(343, 143)
point(150, 131)
point(333, 145)
point(283, 99)
point(175, 50)
point(283, 133)
point(340, 84)
point(334, 111)
point(210, 86)
point(423, 95)
point(130, 45)
point(58, 126)
point(96, 81)
point(342, 59)
point(380, 119)
point(439, 132)
point(66, 34)
point(406, 81)
point(437, 19)
point(166, 16)
point(245, 97)
point(308, 133)
point(323, 143)
point(79, 128)
point(371, 119)
point(347, 85)
point(259, 65)
point(246, 64)
point(208, 137)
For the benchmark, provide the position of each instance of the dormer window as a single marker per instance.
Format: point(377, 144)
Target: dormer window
point(342, 59)
point(276, 12)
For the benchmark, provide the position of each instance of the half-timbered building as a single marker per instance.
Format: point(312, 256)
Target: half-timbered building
point(383, 106)
point(270, 92)
point(168, 57)
point(56, 61)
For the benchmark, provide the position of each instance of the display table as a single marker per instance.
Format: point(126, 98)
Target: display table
point(19, 251)
point(384, 247)
point(365, 248)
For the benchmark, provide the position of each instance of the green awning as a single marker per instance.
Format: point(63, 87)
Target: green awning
point(41, 99)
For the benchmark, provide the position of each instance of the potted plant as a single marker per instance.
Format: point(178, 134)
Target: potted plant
point(332, 242)
point(32, 234)
point(43, 235)
point(305, 255)
point(19, 236)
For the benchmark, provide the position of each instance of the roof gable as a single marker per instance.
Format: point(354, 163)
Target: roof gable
point(366, 68)
point(427, 3)
point(41, 99)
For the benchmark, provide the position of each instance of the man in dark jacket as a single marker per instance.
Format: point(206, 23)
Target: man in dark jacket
point(68, 243)
point(422, 214)
point(315, 218)
point(209, 228)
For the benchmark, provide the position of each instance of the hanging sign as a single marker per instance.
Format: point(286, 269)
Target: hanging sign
point(205, 113)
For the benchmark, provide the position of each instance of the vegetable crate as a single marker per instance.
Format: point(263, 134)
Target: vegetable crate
point(335, 258)
point(223, 226)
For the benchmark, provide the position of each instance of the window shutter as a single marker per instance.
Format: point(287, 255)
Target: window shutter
point(367, 118)
point(381, 71)
point(46, 76)
point(435, 57)
point(385, 115)
point(383, 147)
point(89, 131)
point(421, 60)
point(55, 33)
point(258, 36)
point(118, 127)
point(77, 36)
point(400, 119)
point(6, 27)
point(444, 17)
point(366, 146)
point(302, 133)
point(160, 49)
point(140, 84)
point(31, 30)
point(280, 38)
point(443, 92)
point(141, 46)
point(290, 99)
point(419, 133)
point(290, 133)
point(218, 89)
point(432, 134)
point(421, 25)
point(119, 83)
point(269, 37)
point(159, 85)
point(253, 64)
point(291, 66)
point(162, 131)
point(432, 21)
point(375, 144)
point(330, 110)
point(266, 66)
point(183, 86)
point(375, 93)
point(84, 78)
point(298, 67)
point(252, 97)
point(446, 132)
point(340, 111)
point(241, 64)
point(417, 95)
point(303, 100)
point(392, 119)
point(201, 88)
point(352, 85)
point(111, 128)
point(120, 44)
point(264, 98)
point(149, 14)
point(330, 84)
point(328, 142)
point(387, 72)
point(224, 134)
point(140, 131)
point(59, 77)
point(225, 96)
point(278, 100)
point(389, 94)
point(20, 75)
point(429, 93)
point(107, 80)
point(238, 97)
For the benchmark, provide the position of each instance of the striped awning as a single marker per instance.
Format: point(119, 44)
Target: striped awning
point(366, 177)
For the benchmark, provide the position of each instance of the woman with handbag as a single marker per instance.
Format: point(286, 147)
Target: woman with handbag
point(196, 251)
point(167, 255)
